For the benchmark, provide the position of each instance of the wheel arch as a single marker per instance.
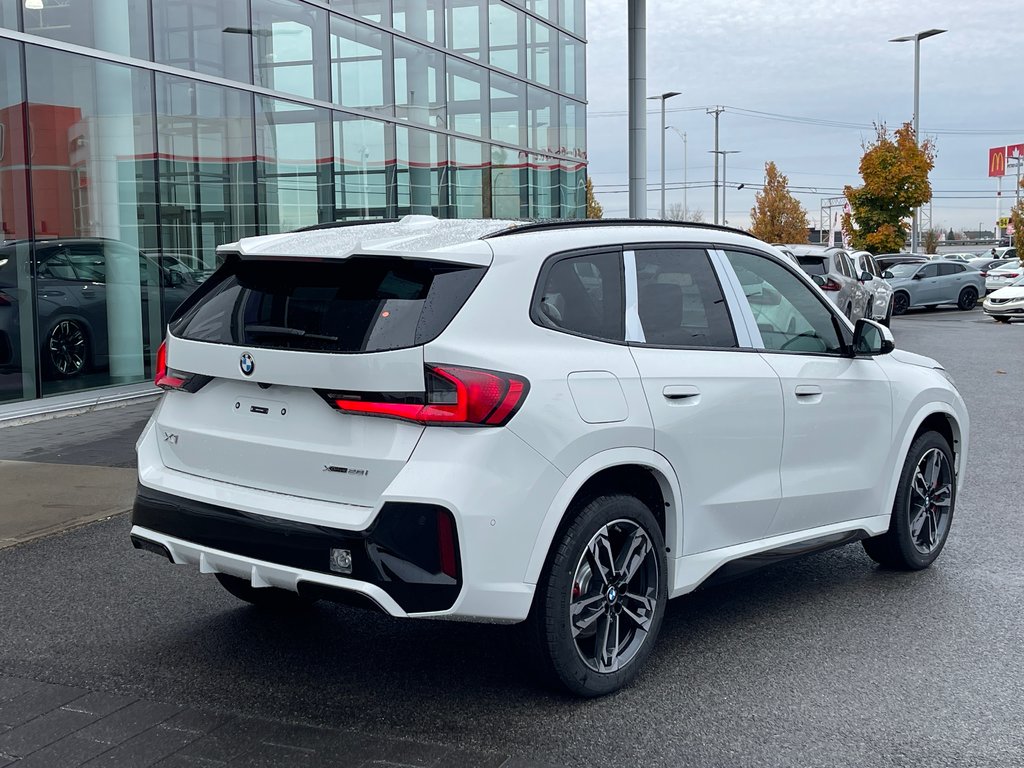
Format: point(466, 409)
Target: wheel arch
point(641, 472)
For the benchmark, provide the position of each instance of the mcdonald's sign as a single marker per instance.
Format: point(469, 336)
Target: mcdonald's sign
point(997, 161)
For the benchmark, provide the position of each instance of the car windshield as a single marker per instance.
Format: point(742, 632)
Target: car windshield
point(903, 270)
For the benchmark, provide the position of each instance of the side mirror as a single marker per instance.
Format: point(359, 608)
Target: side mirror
point(917, 276)
point(866, 277)
point(818, 280)
point(888, 275)
point(175, 279)
point(871, 338)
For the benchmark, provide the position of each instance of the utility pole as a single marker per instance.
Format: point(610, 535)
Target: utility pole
point(716, 111)
point(725, 185)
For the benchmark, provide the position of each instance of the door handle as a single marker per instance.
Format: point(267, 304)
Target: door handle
point(681, 392)
point(808, 393)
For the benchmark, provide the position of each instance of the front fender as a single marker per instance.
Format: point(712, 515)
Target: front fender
point(615, 457)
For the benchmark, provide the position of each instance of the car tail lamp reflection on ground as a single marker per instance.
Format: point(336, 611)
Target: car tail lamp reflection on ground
point(455, 396)
point(168, 378)
point(831, 285)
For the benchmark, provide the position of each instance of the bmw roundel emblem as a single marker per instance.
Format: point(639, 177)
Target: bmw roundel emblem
point(246, 364)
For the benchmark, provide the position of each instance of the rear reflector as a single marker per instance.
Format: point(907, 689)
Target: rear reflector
point(167, 378)
point(455, 396)
point(446, 543)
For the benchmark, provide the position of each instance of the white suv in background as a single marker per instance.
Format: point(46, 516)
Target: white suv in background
point(565, 423)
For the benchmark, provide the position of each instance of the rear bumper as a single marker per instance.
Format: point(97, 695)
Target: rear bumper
point(397, 562)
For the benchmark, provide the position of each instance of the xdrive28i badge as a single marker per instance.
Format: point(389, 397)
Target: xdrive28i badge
point(246, 364)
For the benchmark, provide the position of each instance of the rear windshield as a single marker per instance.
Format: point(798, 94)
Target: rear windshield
point(361, 304)
point(813, 265)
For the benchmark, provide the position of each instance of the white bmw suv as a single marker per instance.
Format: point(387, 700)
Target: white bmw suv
point(565, 423)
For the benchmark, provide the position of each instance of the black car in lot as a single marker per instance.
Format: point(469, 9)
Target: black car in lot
point(887, 260)
point(70, 279)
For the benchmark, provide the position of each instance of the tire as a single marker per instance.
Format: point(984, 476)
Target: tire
point(900, 303)
point(267, 598)
point(888, 315)
point(1001, 318)
point(922, 513)
point(581, 580)
point(968, 299)
point(65, 351)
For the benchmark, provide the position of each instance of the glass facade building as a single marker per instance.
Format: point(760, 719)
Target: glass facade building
point(137, 135)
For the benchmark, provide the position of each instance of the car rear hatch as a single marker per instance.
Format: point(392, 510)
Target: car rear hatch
point(813, 265)
point(257, 357)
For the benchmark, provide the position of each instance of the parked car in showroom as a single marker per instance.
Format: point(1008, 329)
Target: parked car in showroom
point(888, 260)
point(1007, 303)
point(833, 271)
point(934, 283)
point(366, 413)
point(1000, 277)
point(71, 298)
point(879, 306)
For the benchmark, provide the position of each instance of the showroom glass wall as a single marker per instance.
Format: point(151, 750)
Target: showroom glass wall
point(137, 135)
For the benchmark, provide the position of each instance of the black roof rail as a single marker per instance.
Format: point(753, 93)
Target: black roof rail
point(551, 224)
point(336, 224)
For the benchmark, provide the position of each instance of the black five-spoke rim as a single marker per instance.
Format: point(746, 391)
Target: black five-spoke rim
point(614, 596)
point(900, 303)
point(67, 347)
point(931, 497)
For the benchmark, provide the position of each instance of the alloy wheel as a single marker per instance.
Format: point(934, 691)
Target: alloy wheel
point(614, 596)
point(931, 493)
point(67, 347)
point(900, 304)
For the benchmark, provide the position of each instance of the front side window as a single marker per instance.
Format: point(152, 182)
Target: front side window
point(789, 315)
point(583, 295)
point(929, 270)
point(680, 301)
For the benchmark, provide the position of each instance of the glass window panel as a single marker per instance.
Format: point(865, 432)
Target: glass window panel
point(207, 172)
point(419, 84)
point(360, 75)
point(361, 168)
point(422, 19)
point(466, 24)
point(289, 47)
point(573, 74)
point(540, 56)
point(542, 120)
point(572, 15)
point(470, 200)
point(118, 26)
point(9, 16)
point(506, 30)
point(17, 340)
point(293, 165)
point(584, 295)
point(510, 186)
point(94, 192)
point(422, 172)
point(574, 191)
point(467, 97)
point(545, 8)
point(372, 10)
point(574, 129)
point(508, 110)
point(545, 180)
point(210, 36)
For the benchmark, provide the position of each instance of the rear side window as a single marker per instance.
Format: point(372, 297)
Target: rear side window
point(813, 265)
point(950, 269)
point(360, 304)
point(583, 295)
point(679, 300)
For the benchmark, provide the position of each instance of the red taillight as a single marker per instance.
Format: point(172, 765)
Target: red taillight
point(446, 543)
point(168, 378)
point(1011, 275)
point(831, 285)
point(454, 396)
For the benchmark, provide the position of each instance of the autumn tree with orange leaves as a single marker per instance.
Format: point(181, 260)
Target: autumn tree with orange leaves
point(895, 172)
point(777, 216)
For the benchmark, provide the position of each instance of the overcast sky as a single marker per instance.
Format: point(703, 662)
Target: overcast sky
point(808, 59)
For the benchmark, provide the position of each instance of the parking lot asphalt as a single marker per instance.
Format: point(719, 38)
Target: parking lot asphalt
point(824, 661)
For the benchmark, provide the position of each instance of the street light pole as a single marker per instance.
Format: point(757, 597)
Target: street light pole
point(682, 135)
point(914, 233)
point(663, 97)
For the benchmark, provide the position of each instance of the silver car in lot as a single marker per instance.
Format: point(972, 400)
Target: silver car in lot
point(879, 307)
point(833, 271)
point(934, 283)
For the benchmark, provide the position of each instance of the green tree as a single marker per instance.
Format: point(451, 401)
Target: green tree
point(777, 216)
point(594, 209)
point(951, 235)
point(1017, 220)
point(895, 173)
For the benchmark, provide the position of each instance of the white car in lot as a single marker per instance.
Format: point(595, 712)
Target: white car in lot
point(869, 274)
point(564, 423)
point(1006, 303)
point(1000, 277)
